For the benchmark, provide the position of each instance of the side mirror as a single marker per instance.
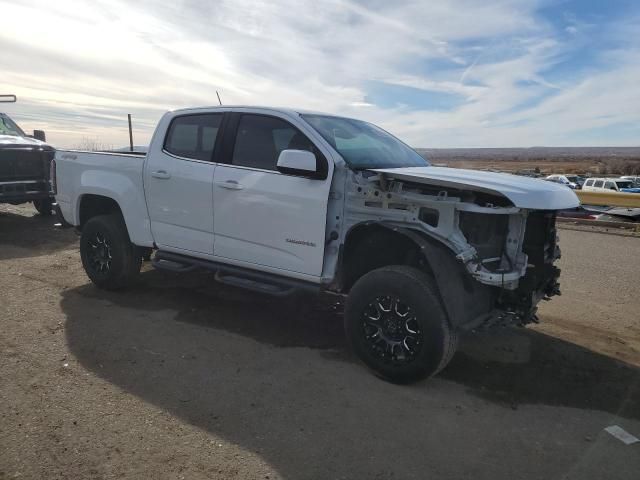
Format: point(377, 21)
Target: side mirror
point(297, 162)
point(39, 135)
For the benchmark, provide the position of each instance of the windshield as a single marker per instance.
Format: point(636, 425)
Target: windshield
point(363, 145)
point(8, 127)
point(624, 184)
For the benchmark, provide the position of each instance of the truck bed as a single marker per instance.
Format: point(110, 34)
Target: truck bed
point(80, 173)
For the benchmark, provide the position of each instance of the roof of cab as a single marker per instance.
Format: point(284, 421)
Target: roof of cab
point(290, 111)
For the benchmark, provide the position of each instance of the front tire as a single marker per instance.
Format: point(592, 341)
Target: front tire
point(110, 259)
point(396, 325)
point(44, 206)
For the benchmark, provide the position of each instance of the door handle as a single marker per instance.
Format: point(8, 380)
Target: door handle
point(230, 184)
point(162, 174)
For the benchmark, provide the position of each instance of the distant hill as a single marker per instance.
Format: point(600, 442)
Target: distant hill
point(594, 160)
point(531, 154)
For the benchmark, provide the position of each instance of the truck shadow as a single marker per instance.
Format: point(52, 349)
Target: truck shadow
point(28, 234)
point(520, 366)
point(196, 350)
point(511, 367)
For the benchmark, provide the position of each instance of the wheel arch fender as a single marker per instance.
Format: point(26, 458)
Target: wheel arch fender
point(100, 186)
point(463, 298)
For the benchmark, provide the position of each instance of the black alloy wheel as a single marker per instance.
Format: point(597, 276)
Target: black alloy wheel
point(109, 258)
point(99, 254)
point(392, 332)
point(396, 324)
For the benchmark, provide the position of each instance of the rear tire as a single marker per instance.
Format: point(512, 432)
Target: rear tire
point(44, 206)
point(395, 323)
point(110, 259)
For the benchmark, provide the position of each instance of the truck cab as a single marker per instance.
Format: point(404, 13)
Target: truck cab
point(280, 201)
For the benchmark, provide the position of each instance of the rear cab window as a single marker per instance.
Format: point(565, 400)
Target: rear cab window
point(193, 136)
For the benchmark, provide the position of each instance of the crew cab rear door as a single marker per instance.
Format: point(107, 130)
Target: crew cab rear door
point(264, 218)
point(178, 182)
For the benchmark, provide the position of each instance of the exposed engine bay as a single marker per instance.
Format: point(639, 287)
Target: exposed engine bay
point(500, 245)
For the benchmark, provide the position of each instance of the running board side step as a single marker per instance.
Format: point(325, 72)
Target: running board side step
point(172, 266)
point(254, 285)
point(253, 280)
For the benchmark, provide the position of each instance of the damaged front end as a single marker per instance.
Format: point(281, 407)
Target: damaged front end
point(508, 250)
point(540, 279)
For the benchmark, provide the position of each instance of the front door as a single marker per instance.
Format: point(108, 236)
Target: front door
point(178, 182)
point(263, 217)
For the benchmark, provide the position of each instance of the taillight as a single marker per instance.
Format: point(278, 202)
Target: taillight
point(52, 178)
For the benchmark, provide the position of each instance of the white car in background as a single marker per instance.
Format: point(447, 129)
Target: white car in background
point(609, 184)
point(571, 181)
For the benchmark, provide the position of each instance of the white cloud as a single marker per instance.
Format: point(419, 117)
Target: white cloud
point(82, 66)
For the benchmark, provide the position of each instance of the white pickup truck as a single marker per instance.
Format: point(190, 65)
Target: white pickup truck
point(281, 201)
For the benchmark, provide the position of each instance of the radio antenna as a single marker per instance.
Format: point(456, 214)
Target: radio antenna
point(219, 101)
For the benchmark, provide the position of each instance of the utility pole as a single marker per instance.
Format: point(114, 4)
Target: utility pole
point(130, 133)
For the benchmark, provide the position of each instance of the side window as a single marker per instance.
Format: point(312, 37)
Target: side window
point(260, 139)
point(193, 136)
point(610, 186)
point(598, 183)
point(588, 183)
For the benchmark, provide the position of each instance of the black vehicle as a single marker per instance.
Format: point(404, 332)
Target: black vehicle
point(25, 164)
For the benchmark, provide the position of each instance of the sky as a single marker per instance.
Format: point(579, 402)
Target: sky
point(446, 73)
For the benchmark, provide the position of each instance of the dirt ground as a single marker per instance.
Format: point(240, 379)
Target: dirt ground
point(180, 378)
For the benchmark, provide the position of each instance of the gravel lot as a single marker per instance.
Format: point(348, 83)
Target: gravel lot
point(180, 378)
